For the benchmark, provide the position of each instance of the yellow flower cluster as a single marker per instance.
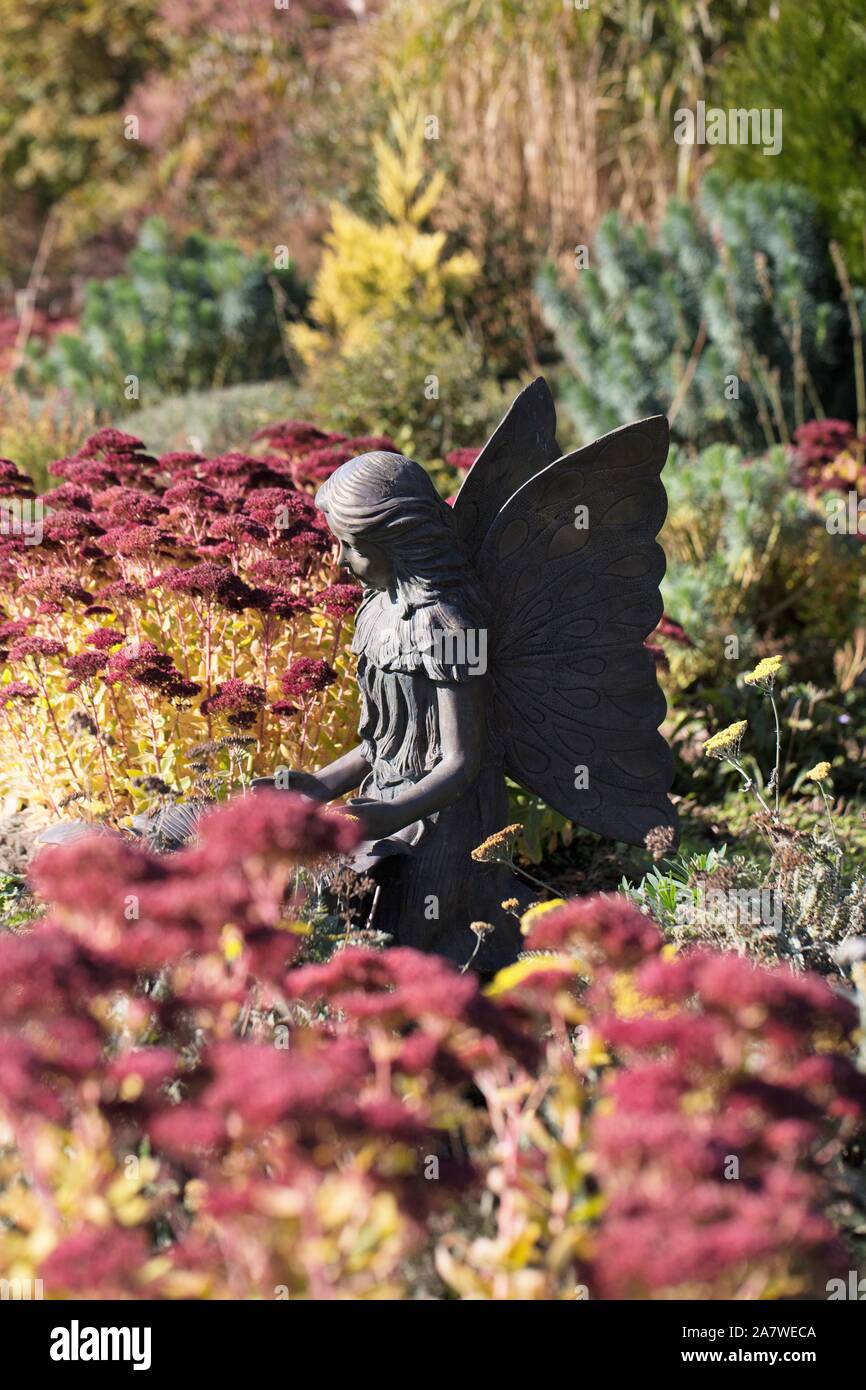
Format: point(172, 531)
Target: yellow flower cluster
point(765, 672)
point(726, 743)
point(818, 772)
point(497, 848)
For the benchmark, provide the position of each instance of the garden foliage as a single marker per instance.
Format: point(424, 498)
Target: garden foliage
point(550, 115)
point(384, 306)
point(186, 315)
point(372, 275)
point(749, 555)
point(802, 59)
point(804, 901)
point(730, 320)
point(754, 567)
point(189, 1110)
point(181, 622)
point(67, 76)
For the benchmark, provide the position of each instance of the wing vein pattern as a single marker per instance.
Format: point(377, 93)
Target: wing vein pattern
point(566, 549)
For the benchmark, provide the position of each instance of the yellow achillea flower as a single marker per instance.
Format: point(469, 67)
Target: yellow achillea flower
point(512, 975)
point(726, 743)
point(532, 914)
point(818, 772)
point(765, 672)
point(232, 942)
point(497, 848)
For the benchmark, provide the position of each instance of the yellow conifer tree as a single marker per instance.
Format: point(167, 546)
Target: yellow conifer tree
point(374, 274)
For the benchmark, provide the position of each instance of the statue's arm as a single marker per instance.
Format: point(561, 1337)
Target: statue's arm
point(340, 776)
point(462, 721)
point(344, 774)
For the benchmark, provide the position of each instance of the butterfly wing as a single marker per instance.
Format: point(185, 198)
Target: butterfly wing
point(521, 445)
point(572, 569)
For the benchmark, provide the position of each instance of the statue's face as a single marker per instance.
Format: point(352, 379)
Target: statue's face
point(368, 562)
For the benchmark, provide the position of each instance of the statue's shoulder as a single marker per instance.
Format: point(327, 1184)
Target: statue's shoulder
point(456, 610)
point(451, 637)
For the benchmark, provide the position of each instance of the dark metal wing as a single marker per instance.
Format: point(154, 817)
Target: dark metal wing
point(572, 569)
point(171, 827)
point(521, 445)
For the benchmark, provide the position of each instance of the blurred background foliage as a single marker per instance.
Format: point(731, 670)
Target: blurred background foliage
point(807, 59)
point(384, 216)
point(199, 313)
point(68, 73)
point(735, 297)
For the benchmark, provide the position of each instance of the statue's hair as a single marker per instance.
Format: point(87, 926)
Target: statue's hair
point(390, 500)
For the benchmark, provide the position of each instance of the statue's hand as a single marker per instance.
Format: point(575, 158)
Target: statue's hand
point(304, 782)
point(378, 818)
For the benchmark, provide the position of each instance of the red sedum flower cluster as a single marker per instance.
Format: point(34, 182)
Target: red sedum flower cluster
point(165, 602)
point(189, 1110)
point(226, 1139)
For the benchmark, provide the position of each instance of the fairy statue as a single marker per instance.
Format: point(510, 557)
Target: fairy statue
point(501, 637)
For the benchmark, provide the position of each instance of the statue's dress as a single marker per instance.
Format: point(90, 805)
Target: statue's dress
point(430, 889)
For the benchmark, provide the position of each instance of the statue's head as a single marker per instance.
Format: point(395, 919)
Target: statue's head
point(394, 529)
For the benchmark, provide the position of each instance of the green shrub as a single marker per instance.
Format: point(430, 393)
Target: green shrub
point(422, 383)
point(809, 902)
point(184, 317)
point(807, 60)
point(748, 557)
point(737, 295)
point(751, 567)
